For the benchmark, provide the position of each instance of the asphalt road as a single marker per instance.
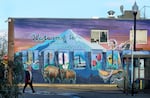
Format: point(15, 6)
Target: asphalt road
point(79, 92)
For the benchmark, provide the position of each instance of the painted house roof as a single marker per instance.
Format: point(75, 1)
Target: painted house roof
point(68, 40)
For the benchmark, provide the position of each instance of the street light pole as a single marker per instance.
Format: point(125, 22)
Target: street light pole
point(134, 47)
point(135, 10)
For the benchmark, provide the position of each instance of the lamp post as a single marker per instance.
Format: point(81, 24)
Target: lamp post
point(135, 10)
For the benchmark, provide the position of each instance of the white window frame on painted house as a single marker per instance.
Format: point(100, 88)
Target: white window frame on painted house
point(99, 36)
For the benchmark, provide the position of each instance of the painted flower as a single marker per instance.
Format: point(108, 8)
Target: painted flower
point(99, 57)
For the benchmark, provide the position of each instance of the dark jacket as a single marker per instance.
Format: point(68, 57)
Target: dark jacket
point(27, 77)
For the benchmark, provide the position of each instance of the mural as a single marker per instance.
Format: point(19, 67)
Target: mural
point(97, 60)
point(63, 51)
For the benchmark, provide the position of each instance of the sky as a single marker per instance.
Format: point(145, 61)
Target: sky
point(65, 9)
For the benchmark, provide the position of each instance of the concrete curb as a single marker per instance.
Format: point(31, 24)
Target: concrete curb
point(72, 85)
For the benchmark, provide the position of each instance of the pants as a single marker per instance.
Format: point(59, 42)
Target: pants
point(30, 84)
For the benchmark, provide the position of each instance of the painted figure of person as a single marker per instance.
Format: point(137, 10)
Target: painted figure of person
point(103, 37)
point(28, 79)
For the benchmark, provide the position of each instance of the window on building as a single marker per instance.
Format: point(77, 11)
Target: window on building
point(141, 36)
point(141, 68)
point(99, 36)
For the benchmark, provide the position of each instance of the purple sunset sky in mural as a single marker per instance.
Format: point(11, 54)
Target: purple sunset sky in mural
point(24, 28)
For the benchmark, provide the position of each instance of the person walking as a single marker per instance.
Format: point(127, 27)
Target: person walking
point(28, 79)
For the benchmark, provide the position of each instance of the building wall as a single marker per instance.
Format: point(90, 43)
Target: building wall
point(128, 14)
point(32, 34)
point(39, 29)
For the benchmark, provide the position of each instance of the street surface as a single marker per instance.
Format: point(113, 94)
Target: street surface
point(79, 92)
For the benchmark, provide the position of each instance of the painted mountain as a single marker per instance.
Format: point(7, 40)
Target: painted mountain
point(67, 40)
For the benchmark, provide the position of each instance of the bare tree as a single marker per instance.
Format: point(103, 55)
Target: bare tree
point(3, 44)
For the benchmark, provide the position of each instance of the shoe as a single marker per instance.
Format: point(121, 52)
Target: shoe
point(33, 91)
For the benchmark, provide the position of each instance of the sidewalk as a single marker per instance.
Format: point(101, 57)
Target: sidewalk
point(78, 91)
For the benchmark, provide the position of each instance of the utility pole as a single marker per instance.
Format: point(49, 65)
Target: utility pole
point(135, 10)
point(10, 48)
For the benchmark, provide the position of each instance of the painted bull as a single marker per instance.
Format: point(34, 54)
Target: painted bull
point(68, 76)
point(52, 73)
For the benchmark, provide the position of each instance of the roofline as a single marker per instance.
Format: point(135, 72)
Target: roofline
point(74, 18)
